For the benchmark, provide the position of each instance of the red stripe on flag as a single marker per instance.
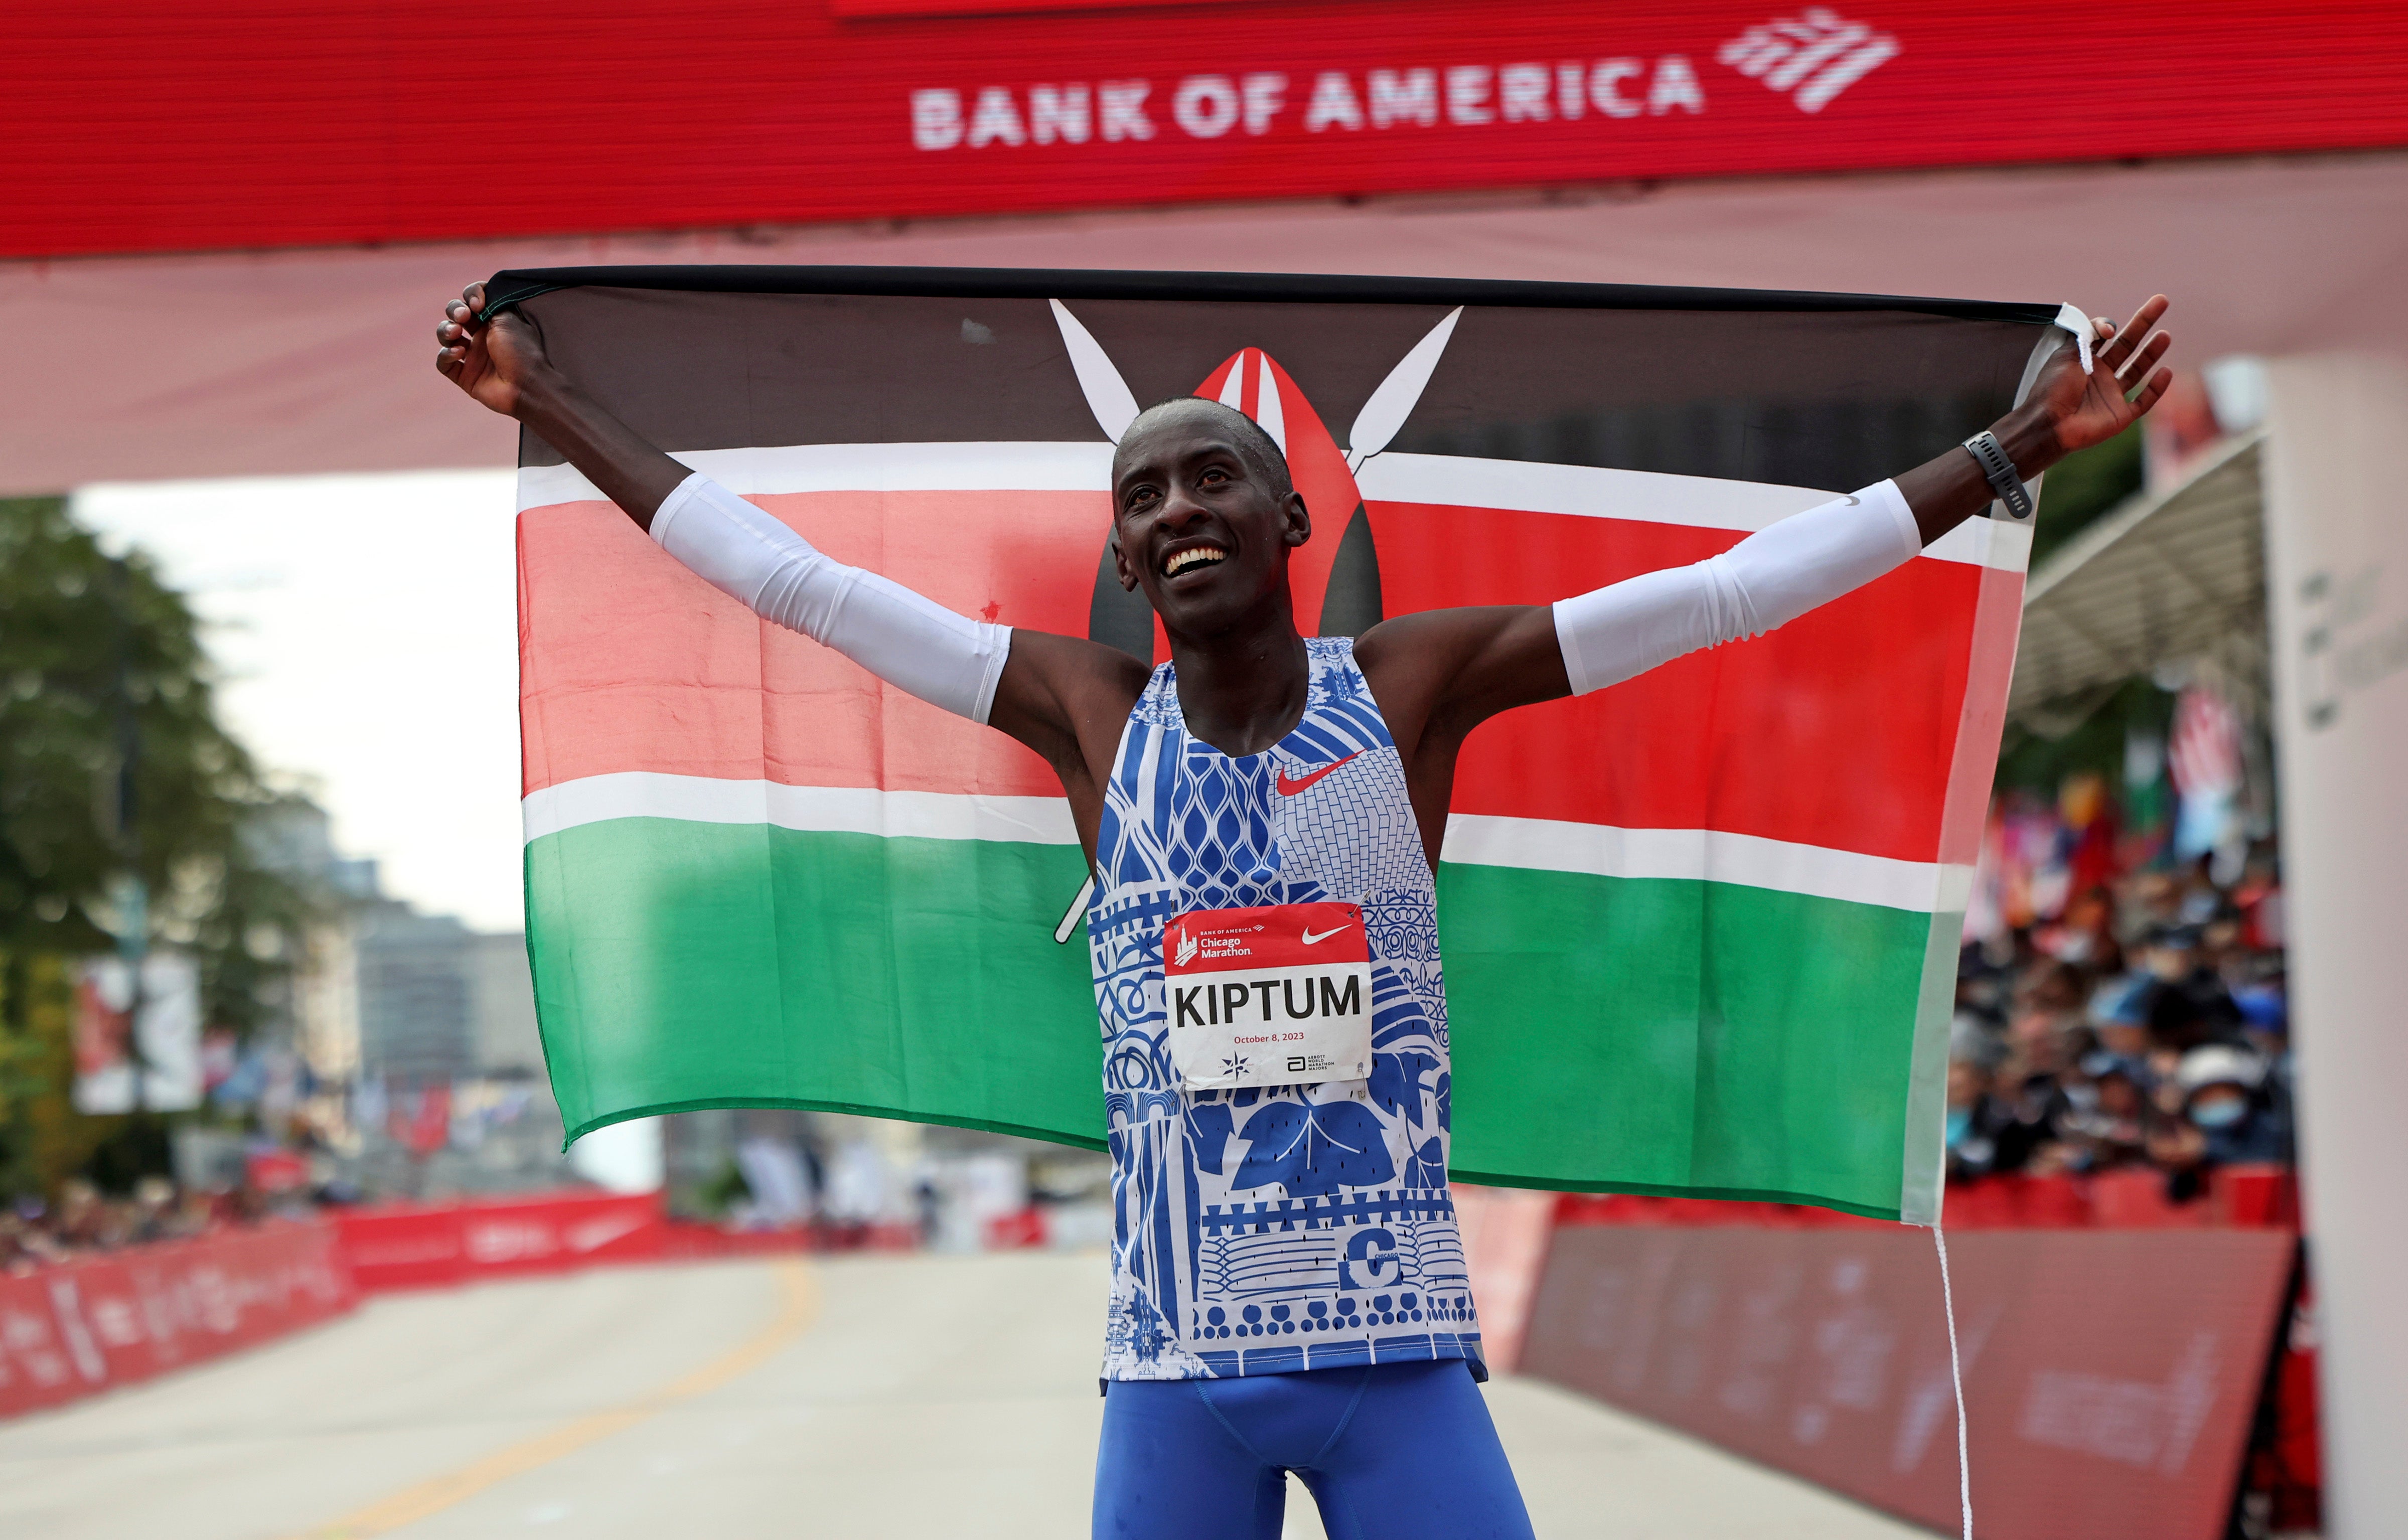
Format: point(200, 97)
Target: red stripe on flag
point(628, 662)
point(1838, 730)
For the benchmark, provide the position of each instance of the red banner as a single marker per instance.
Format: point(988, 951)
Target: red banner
point(70, 1331)
point(145, 125)
point(1505, 1236)
point(2109, 1375)
point(410, 1246)
point(2246, 1196)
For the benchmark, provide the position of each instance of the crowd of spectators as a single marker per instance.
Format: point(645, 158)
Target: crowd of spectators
point(85, 1222)
point(2143, 1026)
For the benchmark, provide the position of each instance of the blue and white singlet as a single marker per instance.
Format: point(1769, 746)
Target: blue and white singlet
point(1299, 1227)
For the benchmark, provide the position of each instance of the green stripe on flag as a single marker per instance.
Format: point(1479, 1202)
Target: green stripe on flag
point(681, 964)
point(1596, 1030)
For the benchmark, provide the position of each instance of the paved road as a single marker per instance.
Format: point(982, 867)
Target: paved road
point(860, 1397)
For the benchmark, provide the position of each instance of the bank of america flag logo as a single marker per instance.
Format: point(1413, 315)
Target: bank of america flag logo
point(1812, 57)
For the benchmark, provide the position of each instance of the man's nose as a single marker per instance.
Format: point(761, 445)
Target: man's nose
point(1181, 510)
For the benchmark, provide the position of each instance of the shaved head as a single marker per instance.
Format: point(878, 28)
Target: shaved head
point(1261, 451)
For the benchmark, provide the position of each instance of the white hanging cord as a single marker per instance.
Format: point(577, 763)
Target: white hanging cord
point(1956, 1379)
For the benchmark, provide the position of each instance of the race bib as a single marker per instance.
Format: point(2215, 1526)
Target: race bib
point(1271, 997)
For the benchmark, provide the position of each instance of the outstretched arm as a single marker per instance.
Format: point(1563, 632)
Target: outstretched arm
point(1447, 671)
point(1062, 696)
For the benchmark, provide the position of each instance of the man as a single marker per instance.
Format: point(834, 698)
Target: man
point(1260, 796)
point(2229, 1119)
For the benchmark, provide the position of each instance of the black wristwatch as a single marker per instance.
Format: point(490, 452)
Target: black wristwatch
point(2000, 472)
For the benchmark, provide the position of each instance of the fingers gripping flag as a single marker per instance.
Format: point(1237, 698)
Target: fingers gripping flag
point(1700, 928)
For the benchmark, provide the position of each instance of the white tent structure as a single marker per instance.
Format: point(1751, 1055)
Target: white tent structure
point(2165, 578)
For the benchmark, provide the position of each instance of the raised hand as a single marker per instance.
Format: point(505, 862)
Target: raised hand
point(502, 365)
point(493, 361)
point(2082, 409)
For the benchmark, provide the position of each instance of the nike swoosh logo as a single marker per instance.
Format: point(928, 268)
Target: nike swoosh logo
point(596, 1234)
point(1290, 788)
point(1309, 938)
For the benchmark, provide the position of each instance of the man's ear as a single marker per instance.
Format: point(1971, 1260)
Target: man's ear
point(1119, 562)
point(1299, 518)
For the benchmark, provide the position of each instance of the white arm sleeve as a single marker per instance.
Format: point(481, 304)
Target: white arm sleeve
point(1767, 579)
point(912, 642)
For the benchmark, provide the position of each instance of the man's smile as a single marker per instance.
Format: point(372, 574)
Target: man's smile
point(1192, 557)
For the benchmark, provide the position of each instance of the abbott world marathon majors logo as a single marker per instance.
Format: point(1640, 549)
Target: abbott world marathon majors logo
point(1812, 58)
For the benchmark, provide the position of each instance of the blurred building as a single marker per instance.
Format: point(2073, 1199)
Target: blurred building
point(435, 1001)
point(416, 975)
point(501, 1004)
point(386, 991)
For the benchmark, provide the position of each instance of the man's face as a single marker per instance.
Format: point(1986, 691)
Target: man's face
point(2129, 1039)
point(2171, 961)
point(1966, 1083)
point(1197, 524)
point(2219, 1106)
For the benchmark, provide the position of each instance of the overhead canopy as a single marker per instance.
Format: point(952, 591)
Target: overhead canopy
point(304, 361)
point(2167, 577)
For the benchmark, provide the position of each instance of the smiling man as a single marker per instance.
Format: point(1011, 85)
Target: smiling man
point(1262, 814)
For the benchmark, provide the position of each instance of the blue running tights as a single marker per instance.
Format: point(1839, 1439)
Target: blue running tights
point(1391, 1452)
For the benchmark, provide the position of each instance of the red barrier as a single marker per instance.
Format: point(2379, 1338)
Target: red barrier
point(2289, 1464)
point(1505, 1235)
point(2241, 1196)
point(1016, 1230)
point(417, 1245)
point(70, 1331)
point(2109, 1376)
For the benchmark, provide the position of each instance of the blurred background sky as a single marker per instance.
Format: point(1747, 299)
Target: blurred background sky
point(365, 627)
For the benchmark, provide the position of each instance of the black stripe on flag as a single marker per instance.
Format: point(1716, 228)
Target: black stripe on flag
point(1804, 390)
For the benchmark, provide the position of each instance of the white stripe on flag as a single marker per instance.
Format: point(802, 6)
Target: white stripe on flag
point(968, 466)
point(1707, 855)
point(1697, 855)
point(1588, 492)
point(819, 809)
point(1584, 491)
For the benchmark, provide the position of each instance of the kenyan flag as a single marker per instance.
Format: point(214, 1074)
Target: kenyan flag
point(1700, 928)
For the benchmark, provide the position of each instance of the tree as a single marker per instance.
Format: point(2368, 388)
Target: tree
point(113, 763)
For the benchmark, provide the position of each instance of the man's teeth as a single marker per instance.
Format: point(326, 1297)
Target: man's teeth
point(1194, 556)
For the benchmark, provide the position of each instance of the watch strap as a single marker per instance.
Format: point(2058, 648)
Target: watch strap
point(2001, 473)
